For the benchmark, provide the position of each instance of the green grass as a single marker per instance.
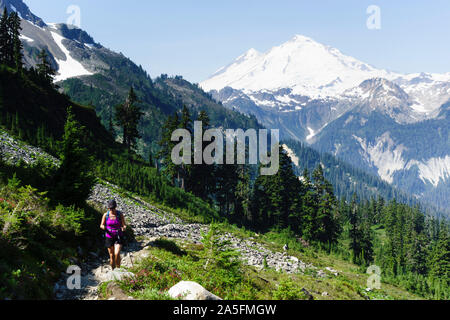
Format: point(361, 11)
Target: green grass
point(170, 262)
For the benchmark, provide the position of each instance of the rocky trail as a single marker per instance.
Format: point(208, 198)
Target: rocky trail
point(150, 223)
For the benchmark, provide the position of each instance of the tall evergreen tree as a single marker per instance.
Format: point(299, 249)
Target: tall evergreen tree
point(276, 199)
point(74, 179)
point(44, 68)
point(201, 178)
point(16, 43)
point(325, 224)
point(128, 116)
point(166, 145)
point(440, 256)
point(5, 39)
point(184, 170)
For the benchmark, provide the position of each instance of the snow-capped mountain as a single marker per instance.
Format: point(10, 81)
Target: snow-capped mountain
point(391, 124)
point(22, 9)
point(73, 53)
point(318, 71)
point(307, 67)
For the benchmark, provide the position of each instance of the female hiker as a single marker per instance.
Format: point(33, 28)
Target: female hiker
point(113, 222)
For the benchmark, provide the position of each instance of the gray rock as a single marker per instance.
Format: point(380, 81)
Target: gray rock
point(118, 275)
point(189, 290)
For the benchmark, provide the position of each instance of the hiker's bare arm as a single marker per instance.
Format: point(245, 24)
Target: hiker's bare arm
point(102, 225)
point(124, 225)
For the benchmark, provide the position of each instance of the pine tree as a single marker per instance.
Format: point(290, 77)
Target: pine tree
point(439, 262)
point(16, 43)
point(166, 145)
point(354, 232)
point(44, 68)
point(201, 178)
point(327, 229)
point(5, 39)
point(74, 178)
point(128, 116)
point(309, 208)
point(184, 170)
point(275, 202)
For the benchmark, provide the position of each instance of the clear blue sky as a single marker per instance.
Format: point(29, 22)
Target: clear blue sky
point(194, 38)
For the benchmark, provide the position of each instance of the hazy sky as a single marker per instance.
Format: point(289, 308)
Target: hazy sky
point(194, 38)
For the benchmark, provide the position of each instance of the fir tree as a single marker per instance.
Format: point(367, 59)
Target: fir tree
point(16, 43)
point(44, 68)
point(128, 116)
point(6, 43)
point(201, 178)
point(74, 179)
point(166, 145)
point(440, 257)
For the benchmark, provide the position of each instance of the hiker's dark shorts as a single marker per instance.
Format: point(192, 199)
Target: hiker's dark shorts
point(111, 242)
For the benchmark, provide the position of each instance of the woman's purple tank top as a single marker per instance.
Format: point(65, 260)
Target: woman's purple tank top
point(114, 227)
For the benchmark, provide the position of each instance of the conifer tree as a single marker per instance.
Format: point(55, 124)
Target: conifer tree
point(44, 68)
point(201, 178)
point(440, 256)
point(5, 38)
point(309, 208)
point(74, 178)
point(354, 232)
point(166, 145)
point(325, 224)
point(184, 170)
point(128, 116)
point(16, 43)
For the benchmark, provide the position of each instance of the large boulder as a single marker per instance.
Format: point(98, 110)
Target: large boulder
point(189, 290)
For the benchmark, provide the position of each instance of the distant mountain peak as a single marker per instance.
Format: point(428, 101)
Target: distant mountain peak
point(22, 9)
point(301, 38)
point(307, 67)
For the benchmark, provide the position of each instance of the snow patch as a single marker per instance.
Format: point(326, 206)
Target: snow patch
point(52, 25)
point(26, 38)
point(311, 135)
point(70, 67)
point(291, 154)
